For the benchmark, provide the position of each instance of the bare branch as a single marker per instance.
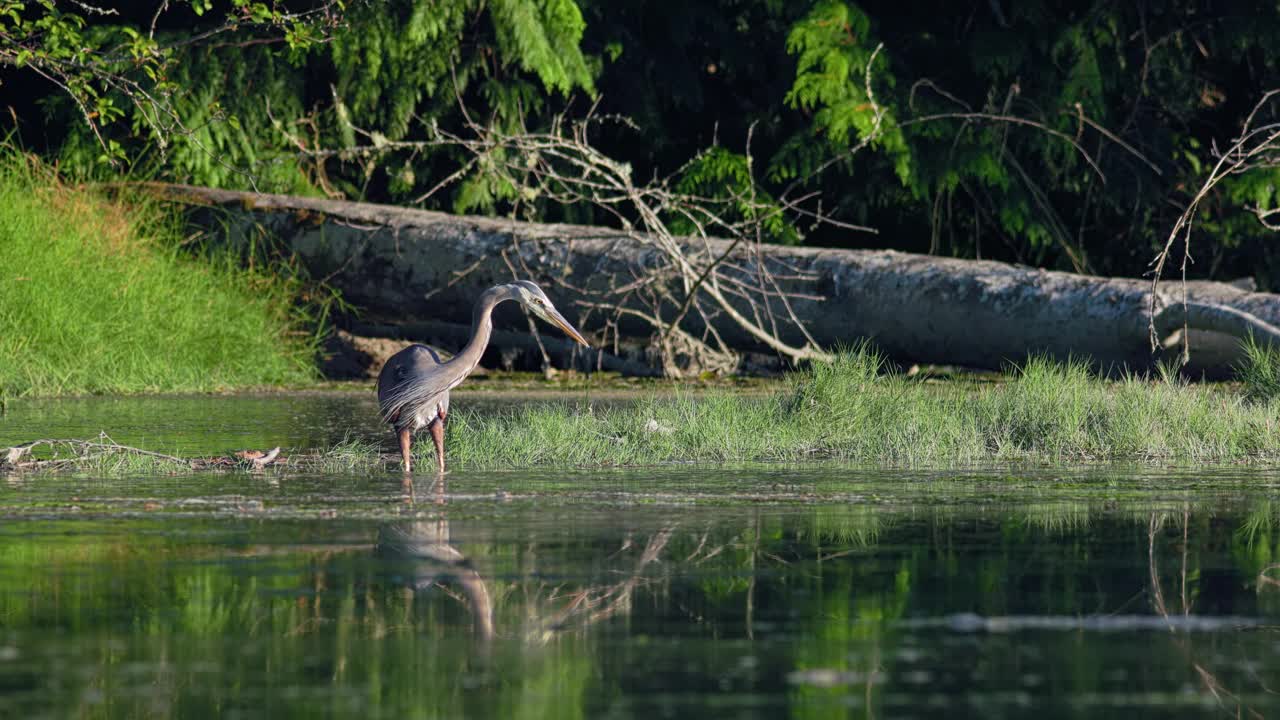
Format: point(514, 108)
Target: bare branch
point(1012, 120)
point(1254, 148)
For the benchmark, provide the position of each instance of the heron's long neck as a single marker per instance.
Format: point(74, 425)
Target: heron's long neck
point(481, 327)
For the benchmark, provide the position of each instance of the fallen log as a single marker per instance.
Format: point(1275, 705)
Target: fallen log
point(404, 266)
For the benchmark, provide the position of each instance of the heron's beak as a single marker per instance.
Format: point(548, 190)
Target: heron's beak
point(555, 318)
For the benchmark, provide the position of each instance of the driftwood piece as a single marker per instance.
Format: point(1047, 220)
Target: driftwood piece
point(258, 459)
point(403, 266)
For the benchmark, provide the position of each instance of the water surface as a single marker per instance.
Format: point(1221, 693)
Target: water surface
point(205, 424)
point(664, 592)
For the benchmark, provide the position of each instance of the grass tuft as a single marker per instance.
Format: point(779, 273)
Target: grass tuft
point(97, 296)
point(349, 455)
point(1260, 371)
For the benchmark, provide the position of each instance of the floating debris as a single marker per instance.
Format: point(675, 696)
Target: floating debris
point(105, 454)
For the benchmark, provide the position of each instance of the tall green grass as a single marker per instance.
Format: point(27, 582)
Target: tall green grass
point(1260, 371)
point(853, 410)
point(97, 296)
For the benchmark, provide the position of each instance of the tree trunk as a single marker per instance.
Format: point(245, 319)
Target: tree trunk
point(404, 267)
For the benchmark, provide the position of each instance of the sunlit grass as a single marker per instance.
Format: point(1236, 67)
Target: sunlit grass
point(350, 455)
point(97, 296)
point(1260, 371)
point(853, 410)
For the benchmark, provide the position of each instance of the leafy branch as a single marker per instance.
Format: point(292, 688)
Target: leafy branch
point(111, 72)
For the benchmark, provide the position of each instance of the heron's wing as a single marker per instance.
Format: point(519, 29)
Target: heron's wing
point(412, 378)
point(431, 352)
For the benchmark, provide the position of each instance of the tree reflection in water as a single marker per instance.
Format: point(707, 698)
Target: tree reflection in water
point(471, 606)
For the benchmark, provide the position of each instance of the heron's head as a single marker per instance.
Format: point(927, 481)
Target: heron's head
point(532, 297)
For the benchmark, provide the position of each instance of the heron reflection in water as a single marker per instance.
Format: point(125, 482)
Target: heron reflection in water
point(427, 557)
point(422, 554)
point(414, 385)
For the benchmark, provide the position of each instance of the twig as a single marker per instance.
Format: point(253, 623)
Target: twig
point(17, 452)
point(1254, 148)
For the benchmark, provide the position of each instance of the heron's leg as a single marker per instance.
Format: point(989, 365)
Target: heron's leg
point(437, 434)
point(406, 440)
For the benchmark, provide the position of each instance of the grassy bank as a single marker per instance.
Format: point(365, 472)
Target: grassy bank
point(851, 411)
point(96, 296)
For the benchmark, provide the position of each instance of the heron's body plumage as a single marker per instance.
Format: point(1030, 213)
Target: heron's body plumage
point(411, 410)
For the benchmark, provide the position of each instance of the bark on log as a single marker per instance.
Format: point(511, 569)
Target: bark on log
point(403, 266)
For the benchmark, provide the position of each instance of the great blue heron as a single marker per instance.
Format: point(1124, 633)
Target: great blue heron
point(414, 385)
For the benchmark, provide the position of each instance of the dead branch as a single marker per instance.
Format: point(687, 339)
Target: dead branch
point(684, 287)
point(1227, 700)
point(14, 455)
point(1265, 578)
point(74, 452)
point(1255, 148)
point(592, 604)
point(684, 281)
point(1216, 318)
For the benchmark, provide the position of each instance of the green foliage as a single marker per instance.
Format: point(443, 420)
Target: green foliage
point(222, 147)
point(543, 38)
point(388, 60)
point(484, 189)
point(724, 180)
point(1058, 135)
point(113, 71)
point(131, 312)
point(834, 56)
point(246, 111)
point(995, 110)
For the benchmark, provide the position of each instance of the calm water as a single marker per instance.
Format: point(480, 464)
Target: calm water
point(673, 592)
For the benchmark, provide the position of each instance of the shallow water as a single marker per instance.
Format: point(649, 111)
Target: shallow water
point(671, 592)
point(205, 425)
